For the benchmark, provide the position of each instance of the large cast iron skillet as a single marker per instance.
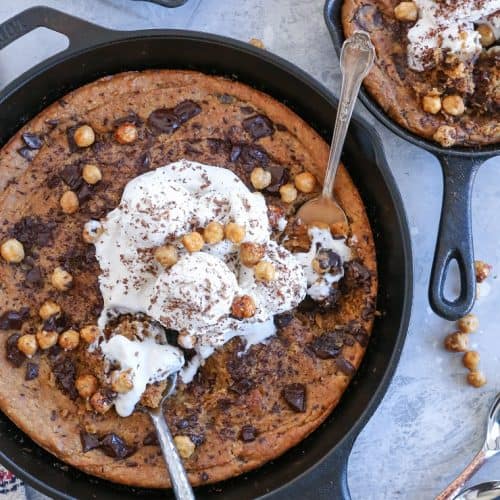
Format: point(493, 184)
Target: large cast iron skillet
point(318, 466)
point(459, 166)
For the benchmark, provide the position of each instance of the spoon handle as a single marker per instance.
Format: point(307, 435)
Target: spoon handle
point(356, 59)
point(178, 475)
point(457, 484)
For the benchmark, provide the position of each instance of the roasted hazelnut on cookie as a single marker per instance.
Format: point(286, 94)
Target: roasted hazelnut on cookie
point(12, 251)
point(265, 271)
point(251, 253)
point(486, 34)
point(61, 280)
point(446, 135)
point(406, 11)
point(184, 446)
point(49, 308)
point(46, 339)
point(456, 342)
point(89, 333)
point(91, 231)
point(193, 242)
point(243, 307)
point(166, 255)
point(69, 340)
point(69, 202)
point(121, 381)
point(234, 232)
point(84, 136)
point(91, 173)
point(305, 182)
point(260, 178)
point(213, 233)
point(86, 385)
point(288, 193)
point(453, 105)
point(431, 104)
point(101, 402)
point(126, 133)
point(27, 344)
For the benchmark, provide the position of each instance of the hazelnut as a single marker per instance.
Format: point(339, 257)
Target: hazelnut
point(27, 344)
point(256, 43)
point(69, 340)
point(431, 104)
point(471, 360)
point(482, 270)
point(265, 271)
point(243, 307)
point(184, 446)
point(186, 341)
point(456, 342)
point(86, 385)
point(61, 280)
point(69, 202)
point(445, 135)
point(89, 333)
point(46, 339)
point(468, 324)
point(305, 182)
point(126, 133)
point(12, 251)
point(486, 34)
point(406, 11)
point(476, 378)
point(166, 255)
point(288, 193)
point(260, 178)
point(251, 253)
point(121, 382)
point(213, 233)
point(193, 242)
point(84, 136)
point(91, 174)
point(48, 309)
point(234, 232)
point(101, 402)
point(453, 105)
point(91, 231)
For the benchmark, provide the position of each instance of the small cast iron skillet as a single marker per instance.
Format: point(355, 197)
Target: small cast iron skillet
point(459, 166)
point(317, 467)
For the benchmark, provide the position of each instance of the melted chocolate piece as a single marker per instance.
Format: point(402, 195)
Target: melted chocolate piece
point(26, 153)
point(283, 319)
point(32, 231)
point(356, 275)
point(307, 305)
point(258, 126)
point(14, 355)
point(329, 260)
point(151, 439)
point(33, 141)
point(295, 396)
point(186, 110)
point(369, 18)
point(168, 120)
point(31, 371)
point(345, 366)
point(65, 373)
point(246, 110)
point(248, 433)
point(279, 176)
point(58, 323)
point(89, 441)
point(144, 162)
point(34, 277)
point(13, 320)
point(114, 446)
point(251, 156)
point(84, 193)
point(72, 176)
point(331, 300)
point(328, 345)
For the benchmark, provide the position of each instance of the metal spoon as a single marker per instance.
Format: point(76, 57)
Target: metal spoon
point(489, 449)
point(483, 491)
point(356, 59)
point(178, 475)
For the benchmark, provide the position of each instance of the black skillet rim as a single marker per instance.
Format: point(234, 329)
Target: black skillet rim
point(389, 181)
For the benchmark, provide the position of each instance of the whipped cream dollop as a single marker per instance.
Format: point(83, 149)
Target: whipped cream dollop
point(448, 24)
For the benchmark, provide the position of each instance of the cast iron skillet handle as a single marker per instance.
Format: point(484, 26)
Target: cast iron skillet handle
point(78, 31)
point(455, 238)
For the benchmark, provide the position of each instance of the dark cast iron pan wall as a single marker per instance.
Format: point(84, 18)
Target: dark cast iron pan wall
point(459, 166)
point(317, 467)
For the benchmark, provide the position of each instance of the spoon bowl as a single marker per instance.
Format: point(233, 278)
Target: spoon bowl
point(483, 491)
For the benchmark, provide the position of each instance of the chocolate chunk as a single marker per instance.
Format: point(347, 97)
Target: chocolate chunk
point(32, 231)
point(26, 153)
point(144, 162)
point(204, 476)
point(13, 320)
point(70, 137)
point(14, 355)
point(281, 127)
point(163, 121)
point(248, 433)
point(31, 371)
point(331, 300)
point(295, 396)
point(34, 277)
point(329, 260)
point(242, 386)
point(356, 275)
point(219, 146)
point(132, 118)
point(53, 181)
point(65, 373)
point(58, 323)
point(258, 126)
point(235, 152)
point(359, 333)
point(33, 141)
point(246, 110)
point(369, 18)
point(345, 366)
point(327, 345)
point(84, 193)
point(225, 98)
point(114, 446)
point(283, 319)
point(400, 63)
point(186, 110)
point(279, 176)
point(72, 176)
point(183, 423)
point(171, 336)
point(252, 156)
point(151, 439)
point(307, 305)
point(197, 439)
point(89, 441)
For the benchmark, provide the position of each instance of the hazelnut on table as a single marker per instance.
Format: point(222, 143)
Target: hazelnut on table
point(457, 342)
point(265, 271)
point(453, 105)
point(243, 307)
point(84, 136)
point(69, 340)
point(46, 339)
point(91, 173)
point(288, 193)
point(12, 251)
point(406, 11)
point(213, 233)
point(234, 232)
point(166, 255)
point(126, 133)
point(482, 270)
point(431, 104)
point(69, 202)
point(305, 182)
point(260, 178)
point(471, 360)
point(468, 324)
point(121, 381)
point(193, 242)
point(184, 446)
point(89, 333)
point(476, 378)
point(251, 253)
point(27, 344)
point(49, 308)
point(86, 385)
point(61, 280)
